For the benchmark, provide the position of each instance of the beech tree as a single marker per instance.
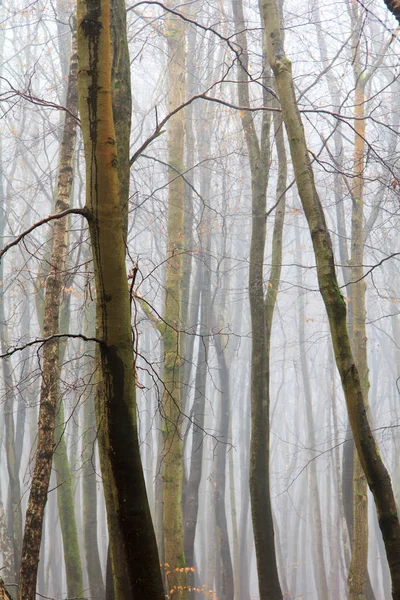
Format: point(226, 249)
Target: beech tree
point(115, 376)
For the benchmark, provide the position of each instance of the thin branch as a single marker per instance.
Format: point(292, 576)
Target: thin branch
point(148, 311)
point(60, 215)
point(13, 349)
point(26, 95)
point(379, 264)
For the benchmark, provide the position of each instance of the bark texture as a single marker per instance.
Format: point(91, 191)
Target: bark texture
point(50, 379)
point(115, 380)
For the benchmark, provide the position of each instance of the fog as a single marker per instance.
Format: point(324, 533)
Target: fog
point(175, 313)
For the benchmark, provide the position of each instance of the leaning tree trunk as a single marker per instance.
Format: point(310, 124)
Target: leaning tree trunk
point(377, 476)
point(50, 379)
point(115, 379)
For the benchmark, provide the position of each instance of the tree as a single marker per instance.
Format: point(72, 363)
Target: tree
point(115, 376)
point(49, 398)
point(170, 328)
point(372, 464)
point(261, 311)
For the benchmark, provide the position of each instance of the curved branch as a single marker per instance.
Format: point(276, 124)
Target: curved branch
point(60, 215)
point(13, 349)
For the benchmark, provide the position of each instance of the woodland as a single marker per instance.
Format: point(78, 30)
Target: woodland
point(200, 290)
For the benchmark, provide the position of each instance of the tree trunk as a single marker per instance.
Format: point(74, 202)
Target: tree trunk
point(12, 542)
point(359, 558)
point(172, 425)
point(191, 505)
point(259, 159)
point(121, 101)
point(115, 378)
point(89, 475)
point(226, 573)
point(319, 565)
point(50, 379)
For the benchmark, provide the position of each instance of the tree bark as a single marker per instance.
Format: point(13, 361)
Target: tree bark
point(89, 476)
point(259, 158)
point(172, 424)
point(49, 394)
point(115, 378)
point(12, 542)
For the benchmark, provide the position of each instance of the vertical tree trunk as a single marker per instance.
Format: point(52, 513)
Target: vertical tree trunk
point(376, 473)
point(187, 292)
point(12, 543)
point(235, 531)
point(50, 379)
point(172, 425)
point(319, 567)
point(259, 159)
point(191, 505)
point(115, 379)
point(121, 101)
point(359, 558)
point(226, 574)
point(244, 560)
point(89, 475)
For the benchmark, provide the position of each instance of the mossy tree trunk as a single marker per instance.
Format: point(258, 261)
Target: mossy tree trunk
point(121, 101)
point(115, 379)
point(372, 464)
point(122, 113)
point(64, 480)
